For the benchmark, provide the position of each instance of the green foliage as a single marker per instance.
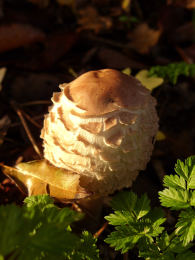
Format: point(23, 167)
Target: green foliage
point(172, 71)
point(136, 224)
point(40, 230)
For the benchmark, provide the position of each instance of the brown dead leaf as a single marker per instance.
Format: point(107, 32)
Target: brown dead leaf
point(91, 20)
point(143, 38)
point(184, 3)
point(39, 177)
point(13, 36)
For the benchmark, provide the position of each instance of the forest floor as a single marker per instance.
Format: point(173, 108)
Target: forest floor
point(44, 43)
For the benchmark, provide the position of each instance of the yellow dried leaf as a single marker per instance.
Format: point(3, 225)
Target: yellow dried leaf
point(143, 38)
point(148, 82)
point(160, 136)
point(126, 4)
point(40, 177)
point(127, 71)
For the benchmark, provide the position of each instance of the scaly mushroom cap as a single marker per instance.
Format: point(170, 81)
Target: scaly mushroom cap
point(101, 126)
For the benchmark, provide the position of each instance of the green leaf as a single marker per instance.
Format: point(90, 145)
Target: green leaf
point(156, 229)
point(186, 226)
point(40, 200)
point(172, 71)
point(11, 228)
point(87, 249)
point(124, 200)
point(39, 230)
point(186, 169)
point(175, 199)
point(142, 206)
point(119, 218)
point(174, 181)
point(124, 238)
point(192, 198)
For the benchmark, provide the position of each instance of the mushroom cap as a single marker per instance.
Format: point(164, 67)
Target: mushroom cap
point(103, 91)
point(102, 127)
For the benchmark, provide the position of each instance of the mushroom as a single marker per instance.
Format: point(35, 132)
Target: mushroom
point(101, 126)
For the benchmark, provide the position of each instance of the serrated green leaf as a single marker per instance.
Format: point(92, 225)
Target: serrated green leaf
point(156, 229)
point(182, 169)
point(87, 249)
point(186, 226)
point(40, 200)
point(124, 238)
point(192, 198)
point(175, 199)
point(119, 218)
point(124, 200)
point(142, 206)
point(174, 181)
point(163, 241)
point(172, 71)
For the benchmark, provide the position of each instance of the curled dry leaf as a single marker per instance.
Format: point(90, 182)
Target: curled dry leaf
point(148, 82)
point(39, 177)
point(13, 36)
point(143, 38)
point(91, 20)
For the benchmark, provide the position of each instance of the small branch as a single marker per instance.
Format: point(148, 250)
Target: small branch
point(31, 120)
point(99, 232)
point(23, 121)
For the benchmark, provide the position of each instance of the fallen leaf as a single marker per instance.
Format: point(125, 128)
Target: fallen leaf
point(160, 136)
point(148, 82)
point(4, 124)
point(126, 4)
point(91, 20)
point(2, 75)
point(143, 38)
point(184, 3)
point(127, 71)
point(13, 36)
point(39, 177)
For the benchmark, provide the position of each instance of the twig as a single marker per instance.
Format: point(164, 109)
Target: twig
point(183, 55)
point(23, 121)
point(34, 118)
point(31, 120)
point(98, 233)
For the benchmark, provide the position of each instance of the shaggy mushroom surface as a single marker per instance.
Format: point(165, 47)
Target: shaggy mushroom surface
point(101, 126)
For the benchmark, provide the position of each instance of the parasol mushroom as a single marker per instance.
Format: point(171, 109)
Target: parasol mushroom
point(102, 127)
